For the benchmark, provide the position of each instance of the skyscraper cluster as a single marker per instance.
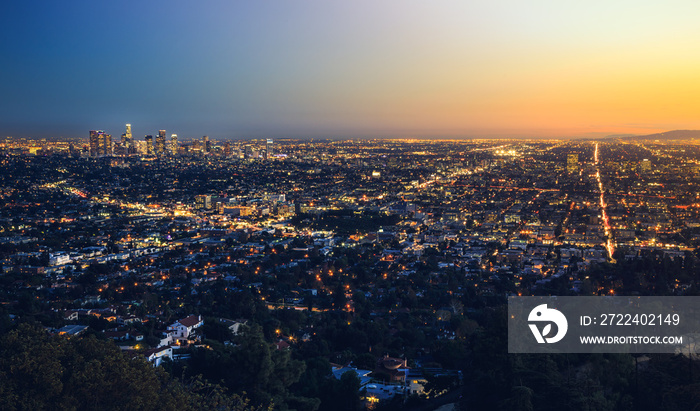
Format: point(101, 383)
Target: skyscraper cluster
point(100, 143)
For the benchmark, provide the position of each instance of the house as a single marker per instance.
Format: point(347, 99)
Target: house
point(108, 314)
point(165, 338)
point(157, 355)
point(281, 345)
point(391, 369)
point(375, 391)
point(181, 330)
point(130, 320)
point(233, 325)
point(71, 330)
point(117, 335)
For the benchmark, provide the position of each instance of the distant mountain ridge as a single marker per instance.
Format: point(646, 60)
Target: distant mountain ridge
point(669, 135)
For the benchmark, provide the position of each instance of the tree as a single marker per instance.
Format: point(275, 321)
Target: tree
point(252, 367)
point(347, 393)
point(39, 371)
point(520, 399)
point(439, 384)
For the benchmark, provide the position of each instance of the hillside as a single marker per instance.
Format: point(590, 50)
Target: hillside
point(670, 135)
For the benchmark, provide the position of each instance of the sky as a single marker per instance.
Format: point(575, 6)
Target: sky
point(361, 68)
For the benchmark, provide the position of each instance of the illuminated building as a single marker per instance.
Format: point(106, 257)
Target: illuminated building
point(227, 149)
point(106, 146)
point(249, 152)
point(127, 141)
point(207, 144)
point(94, 142)
point(202, 202)
point(139, 147)
point(269, 148)
point(173, 144)
point(100, 143)
point(160, 143)
point(149, 145)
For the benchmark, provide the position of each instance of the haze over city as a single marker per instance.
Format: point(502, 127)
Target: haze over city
point(352, 69)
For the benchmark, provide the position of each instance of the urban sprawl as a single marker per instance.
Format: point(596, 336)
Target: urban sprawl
point(378, 256)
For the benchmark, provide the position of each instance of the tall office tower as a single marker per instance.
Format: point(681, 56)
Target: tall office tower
point(160, 143)
point(100, 143)
point(94, 142)
point(128, 140)
point(106, 146)
point(207, 144)
point(248, 151)
point(139, 147)
point(202, 202)
point(227, 149)
point(572, 163)
point(173, 144)
point(149, 145)
point(269, 148)
point(645, 166)
point(124, 145)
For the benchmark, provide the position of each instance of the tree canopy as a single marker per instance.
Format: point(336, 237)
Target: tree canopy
point(39, 371)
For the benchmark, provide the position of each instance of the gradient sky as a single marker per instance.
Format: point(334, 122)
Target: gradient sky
point(393, 68)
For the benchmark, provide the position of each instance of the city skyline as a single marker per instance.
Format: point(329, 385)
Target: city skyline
point(327, 206)
point(311, 69)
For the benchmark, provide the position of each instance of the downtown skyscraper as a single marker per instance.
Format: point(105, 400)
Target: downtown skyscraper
point(160, 143)
point(128, 141)
point(173, 144)
point(100, 143)
point(149, 145)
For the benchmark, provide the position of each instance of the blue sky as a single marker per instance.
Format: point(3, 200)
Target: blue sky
point(233, 69)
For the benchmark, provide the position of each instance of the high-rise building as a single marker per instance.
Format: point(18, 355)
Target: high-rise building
point(107, 144)
point(139, 147)
point(207, 144)
point(248, 151)
point(160, 143)
point(269, 148)
point(128, 140)
point(202, 202)
point(94, 142)
point(227, 149)
point(100, 143)
point(173, 144)
point(572, 163)
point(149, 145)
